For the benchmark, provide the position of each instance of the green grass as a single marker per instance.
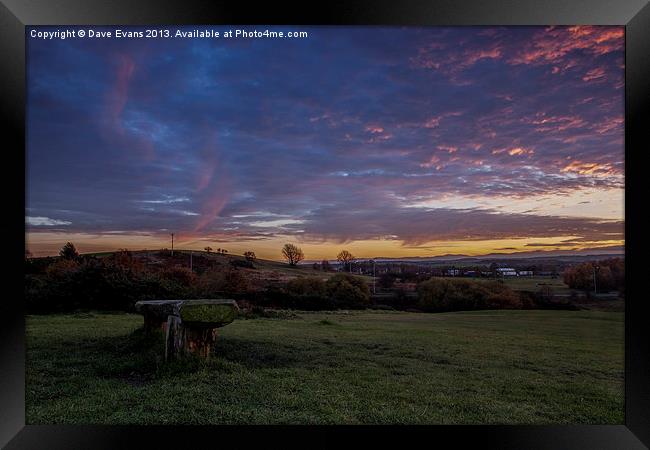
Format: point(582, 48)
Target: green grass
point(534, 284)
point(515, 367)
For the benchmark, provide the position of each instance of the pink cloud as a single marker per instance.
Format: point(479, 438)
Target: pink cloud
point(374, 129)
point(433, 161)
point(448, 148)
point(597, 74)
point(587, 168)
point(553, 44)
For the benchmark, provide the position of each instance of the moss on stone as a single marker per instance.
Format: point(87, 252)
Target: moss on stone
point(208, 313)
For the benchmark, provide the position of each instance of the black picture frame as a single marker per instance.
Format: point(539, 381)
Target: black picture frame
point(633, 14)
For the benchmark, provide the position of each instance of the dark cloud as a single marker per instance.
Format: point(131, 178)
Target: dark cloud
point(339, 131)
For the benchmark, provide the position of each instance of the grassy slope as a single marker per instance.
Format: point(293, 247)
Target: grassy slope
point(262, 266)
point(361, 367)
point(532, 284)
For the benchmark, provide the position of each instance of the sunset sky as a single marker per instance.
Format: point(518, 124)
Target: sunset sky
point(384, 141)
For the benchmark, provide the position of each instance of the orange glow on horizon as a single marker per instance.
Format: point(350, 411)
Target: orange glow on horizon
point(48, 244)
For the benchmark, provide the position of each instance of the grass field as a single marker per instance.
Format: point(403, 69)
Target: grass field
point(533, 284)
point(515, 367)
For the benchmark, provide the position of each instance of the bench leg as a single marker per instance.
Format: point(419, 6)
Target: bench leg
point(181, 340)
point(198, 341)
point(153, 324)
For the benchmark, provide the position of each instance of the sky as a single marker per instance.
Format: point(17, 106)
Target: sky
point(384, 141)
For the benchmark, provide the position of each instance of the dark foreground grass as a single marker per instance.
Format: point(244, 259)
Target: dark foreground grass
point(493, 367)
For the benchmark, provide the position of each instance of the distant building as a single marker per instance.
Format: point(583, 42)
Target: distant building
point(453, 272)
point(506, 272)
point(525, 273)
point(546, 274)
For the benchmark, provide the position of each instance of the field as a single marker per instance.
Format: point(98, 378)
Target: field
point(515, 367)
point(534, 284)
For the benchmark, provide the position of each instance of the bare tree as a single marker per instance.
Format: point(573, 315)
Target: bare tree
point(292, 253)
point(345, 257)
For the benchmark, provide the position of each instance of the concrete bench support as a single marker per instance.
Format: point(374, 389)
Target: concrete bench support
point(190, 326)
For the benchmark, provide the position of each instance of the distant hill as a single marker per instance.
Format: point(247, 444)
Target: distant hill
point(263, 269)
point(537, 255)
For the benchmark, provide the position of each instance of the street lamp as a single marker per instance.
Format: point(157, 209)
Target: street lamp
point(596, 268)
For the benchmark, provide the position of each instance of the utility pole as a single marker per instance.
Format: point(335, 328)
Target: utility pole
point(172, 244)
point(374, 279)
point(595, 268)
point(190, 260)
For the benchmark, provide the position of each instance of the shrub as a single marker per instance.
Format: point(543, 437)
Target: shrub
point(307, 293)
point(442, 294)
point(179, 275)
point(386, 280)
point(347, 291)
point(245, 263)
point(610, 275)
point(61, 268)
point(217, 283)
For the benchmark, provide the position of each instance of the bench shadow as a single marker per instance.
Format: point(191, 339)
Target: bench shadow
point(254, 354)
point(137, 358)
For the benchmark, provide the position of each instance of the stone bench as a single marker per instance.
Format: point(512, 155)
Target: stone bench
point(189, 326)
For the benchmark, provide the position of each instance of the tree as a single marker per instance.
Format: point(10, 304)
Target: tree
point(609, 273)
point(293, 254)
point(208, 249)
point(325, 265)
point(346, 290)
point(387, 280)
point(345, 257)
point(68, 251)
point(458, 294)
point(250, 256)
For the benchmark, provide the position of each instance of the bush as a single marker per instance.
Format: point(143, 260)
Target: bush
point(312, 293)
point(112, 283)
point(308, 293)
point(386, 280)
point(245, 263)
point(62, 268)
point(610, 275)
point(347, 291)
point(217, 283)
point(442, 294)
